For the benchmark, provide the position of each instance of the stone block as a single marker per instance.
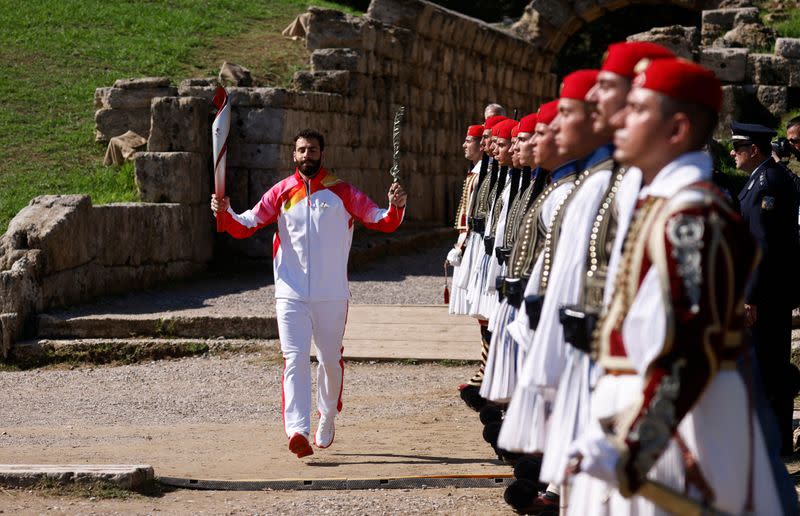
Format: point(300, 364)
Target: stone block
point(172, 177)
point(138, 98)
point(788, 47)
point(115, 122)
point(774, 99)
point(754, 36)
point(330, 81)
point(794, 73)
point(258, 97)
point(180, 124)
point(555, 12)
point(203, 88)
point(101, 97)
point(338, 59)
point(399, 13)
point(60, 226)
point(683, 41)
point(232, 74)
point(728, 64)
point(154, 233)
point(9, 331)
point(256, 125)
point(255, 155)
point(767, 69)
point(725, 19)
point(328, 28)
point(142, 83)
point(20, 290)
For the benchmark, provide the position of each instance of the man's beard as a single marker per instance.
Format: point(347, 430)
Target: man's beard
point(310, 167)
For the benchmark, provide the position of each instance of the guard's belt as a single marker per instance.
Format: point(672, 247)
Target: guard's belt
point(514, 288)
point(478, 224)
point(503, 254)
point(500, 287)
point(533, 307)
point(578, 323)
point(488, 243)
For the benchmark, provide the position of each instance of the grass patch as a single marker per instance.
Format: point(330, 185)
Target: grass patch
point(54, 54)
point(106, 353)
point(98, 490)
point(789, 27)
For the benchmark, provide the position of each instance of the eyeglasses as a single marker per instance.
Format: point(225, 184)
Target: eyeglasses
point(737, 147)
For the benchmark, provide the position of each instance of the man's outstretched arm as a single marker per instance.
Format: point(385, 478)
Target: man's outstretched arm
point(245, 224)
point(370, 214)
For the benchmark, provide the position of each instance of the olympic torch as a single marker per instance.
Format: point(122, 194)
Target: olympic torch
point(219, 135)
point(395, 170)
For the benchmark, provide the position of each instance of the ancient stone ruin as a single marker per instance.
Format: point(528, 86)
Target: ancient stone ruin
point(443, 67)
point(759, 85)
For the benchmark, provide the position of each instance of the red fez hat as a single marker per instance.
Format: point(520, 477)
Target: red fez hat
point(515, 131)
point(577, 84)
point(682, 80)
point(503, 129)
point(528, 123)
point(475, 130)
point(547, 112)
point(621, 58)
point(493, 121)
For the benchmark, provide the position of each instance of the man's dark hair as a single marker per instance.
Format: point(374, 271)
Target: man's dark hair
point(793, 122)
point(311, 134)
point(703, 119)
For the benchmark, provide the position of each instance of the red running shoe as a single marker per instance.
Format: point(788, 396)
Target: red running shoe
point(298, 445)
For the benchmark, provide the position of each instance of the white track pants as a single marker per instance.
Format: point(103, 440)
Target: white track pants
point(298, 322)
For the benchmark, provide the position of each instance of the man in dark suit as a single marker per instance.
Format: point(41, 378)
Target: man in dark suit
point(769, 206)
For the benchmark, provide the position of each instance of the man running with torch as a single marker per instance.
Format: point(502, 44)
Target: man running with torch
point(314, 211)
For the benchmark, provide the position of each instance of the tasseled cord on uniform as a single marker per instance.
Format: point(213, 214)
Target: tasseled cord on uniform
point(446, 290)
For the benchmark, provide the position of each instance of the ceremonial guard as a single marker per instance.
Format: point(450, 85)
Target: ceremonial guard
point(769, 206)
point(460, 257)
point(469, 391)
point(495, 386)
point(540, 373)
point(524, 261)
point(673, 424)
point(577, 279)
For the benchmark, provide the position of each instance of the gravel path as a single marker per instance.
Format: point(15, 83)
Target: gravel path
point(210, 389)
point(219, 417)
point(410, 278)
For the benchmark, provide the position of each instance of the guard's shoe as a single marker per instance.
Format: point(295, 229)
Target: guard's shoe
point(545, 504)
point(298, 444)
point(472, 397)
point(326, 430)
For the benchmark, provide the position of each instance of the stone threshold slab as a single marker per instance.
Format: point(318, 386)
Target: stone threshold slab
point(130, 477)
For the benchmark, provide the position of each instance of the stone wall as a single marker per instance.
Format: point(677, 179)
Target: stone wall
point(732, 42)
point(442, 66)
point(61, 250)
point(549, 24)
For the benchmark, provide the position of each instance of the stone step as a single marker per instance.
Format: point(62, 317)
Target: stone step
point(131, 477)
point(110, 326)
point(373, 332)
point(41, 352)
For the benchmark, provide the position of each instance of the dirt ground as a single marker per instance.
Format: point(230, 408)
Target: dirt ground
point(219, 418)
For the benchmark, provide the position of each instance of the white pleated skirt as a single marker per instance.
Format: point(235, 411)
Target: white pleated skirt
point(480, 303)
point(504, 359)
point(570, 415)
point(525, 424)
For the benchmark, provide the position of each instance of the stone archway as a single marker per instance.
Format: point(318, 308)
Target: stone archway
point(549, 24)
